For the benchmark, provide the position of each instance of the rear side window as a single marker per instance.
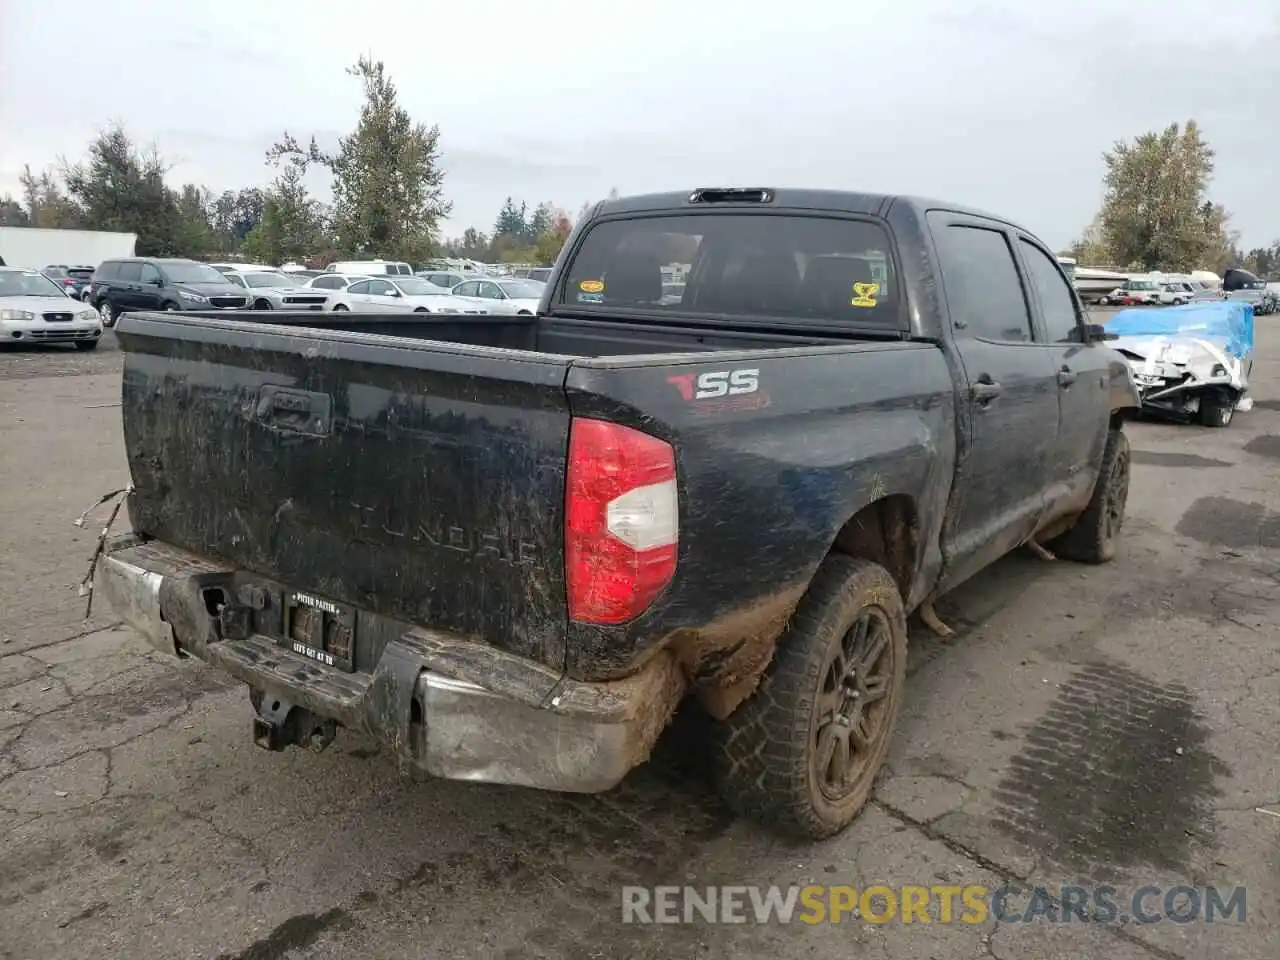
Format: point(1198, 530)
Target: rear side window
point(755, 265)
point(130, 271)
point(107, 270)
point(984, 293)
point(328, 283)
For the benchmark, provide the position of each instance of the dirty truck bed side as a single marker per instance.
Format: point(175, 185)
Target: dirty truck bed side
point(509, 547)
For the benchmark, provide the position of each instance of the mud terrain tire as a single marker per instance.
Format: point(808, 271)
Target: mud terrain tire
point(833, 692)
point(1092, 539)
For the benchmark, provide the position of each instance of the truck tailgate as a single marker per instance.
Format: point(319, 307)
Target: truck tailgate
point(416, 480)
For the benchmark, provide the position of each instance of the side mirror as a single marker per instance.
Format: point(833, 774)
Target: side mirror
point(1096, 331)
point(152, 281)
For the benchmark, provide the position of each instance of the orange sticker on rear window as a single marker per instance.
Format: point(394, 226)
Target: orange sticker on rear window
point(591, 286)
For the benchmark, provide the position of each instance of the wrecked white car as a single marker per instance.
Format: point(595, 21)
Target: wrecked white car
point(1191, 362)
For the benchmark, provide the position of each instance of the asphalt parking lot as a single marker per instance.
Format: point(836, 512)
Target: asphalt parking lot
point(1114, 724)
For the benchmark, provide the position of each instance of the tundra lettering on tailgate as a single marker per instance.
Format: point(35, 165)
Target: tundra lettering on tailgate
point(717, 390)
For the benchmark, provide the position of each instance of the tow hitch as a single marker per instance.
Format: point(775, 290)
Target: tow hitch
point(279, 724)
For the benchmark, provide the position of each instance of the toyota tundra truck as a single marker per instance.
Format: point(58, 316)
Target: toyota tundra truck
point(510, 547)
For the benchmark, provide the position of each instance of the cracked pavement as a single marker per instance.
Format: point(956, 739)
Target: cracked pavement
point(1113, 724)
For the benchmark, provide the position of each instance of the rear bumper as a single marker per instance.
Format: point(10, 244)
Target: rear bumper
point(450, 707)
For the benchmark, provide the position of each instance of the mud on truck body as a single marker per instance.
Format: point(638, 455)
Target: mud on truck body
point(510, 547)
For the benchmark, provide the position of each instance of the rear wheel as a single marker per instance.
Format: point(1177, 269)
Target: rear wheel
point(339, 306)
point(261, 305)
point(1092, 539)
point(803, 752)
point(108, 313)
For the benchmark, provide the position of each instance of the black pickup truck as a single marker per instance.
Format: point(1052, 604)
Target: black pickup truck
point(747, 433)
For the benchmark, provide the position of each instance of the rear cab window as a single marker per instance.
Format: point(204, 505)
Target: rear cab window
point(788, 267)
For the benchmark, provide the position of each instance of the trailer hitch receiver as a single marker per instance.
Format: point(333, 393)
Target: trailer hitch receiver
point(279, 724)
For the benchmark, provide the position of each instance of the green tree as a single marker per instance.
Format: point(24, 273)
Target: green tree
point(511, 221)
point(474, 245)
point(195, 233)
point(122, 188)
point(1154, 211)
point(540, 222)
point(387, 197)
point(291, 227)
point(1091, 249)
point(47, 205)
point(1264, 261)
point(552, 240)
point(234, 214)
point(12, 214)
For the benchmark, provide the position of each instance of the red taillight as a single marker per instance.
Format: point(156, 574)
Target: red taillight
point(621, 521)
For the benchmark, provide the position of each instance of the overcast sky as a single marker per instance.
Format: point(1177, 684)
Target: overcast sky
point(1006, 105)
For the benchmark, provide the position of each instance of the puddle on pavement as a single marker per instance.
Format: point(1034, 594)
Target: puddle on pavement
point(1230, 523)
point(1117, 773)
point(1267, 445)
point(1155, 458)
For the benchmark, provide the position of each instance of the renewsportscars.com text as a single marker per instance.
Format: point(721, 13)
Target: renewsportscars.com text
point(971, 904)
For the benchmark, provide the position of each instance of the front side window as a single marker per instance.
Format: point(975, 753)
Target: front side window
point(150, 275)
point(1057, 305)
point(738, 265)
point(360, 287)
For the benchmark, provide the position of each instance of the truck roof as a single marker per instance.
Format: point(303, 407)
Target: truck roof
point(841, 201)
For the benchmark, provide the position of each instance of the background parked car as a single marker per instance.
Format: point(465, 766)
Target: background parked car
point(1244, 286)
point(120, 286)
point(1139, 291)
point(400, 295)
point(1174, 294)
point(442, 278)
point(333, 281)
point(273, 290)
point(74, 280)
point(504, 297)
point(36, 309)
point(372, 268)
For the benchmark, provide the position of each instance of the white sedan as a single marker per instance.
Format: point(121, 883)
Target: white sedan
point(400, 295)
point(34, 309)
point(502, 296)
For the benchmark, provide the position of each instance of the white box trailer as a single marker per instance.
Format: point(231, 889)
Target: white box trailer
point(37, 247)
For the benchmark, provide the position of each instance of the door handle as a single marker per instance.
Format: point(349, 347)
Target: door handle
point(985, 390)
point(1065, 377)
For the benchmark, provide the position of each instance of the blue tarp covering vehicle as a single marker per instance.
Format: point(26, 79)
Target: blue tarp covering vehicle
point(1192, 361)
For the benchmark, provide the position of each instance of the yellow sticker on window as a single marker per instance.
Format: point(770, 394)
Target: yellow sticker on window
point(864, 294)
point(591, 286)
